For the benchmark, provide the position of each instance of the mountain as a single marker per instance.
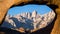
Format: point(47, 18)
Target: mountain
point(34, 13)
point(28, 21)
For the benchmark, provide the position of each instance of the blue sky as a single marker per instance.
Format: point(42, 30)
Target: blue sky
point(41, 9)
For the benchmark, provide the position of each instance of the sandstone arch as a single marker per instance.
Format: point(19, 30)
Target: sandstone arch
point(6, 4)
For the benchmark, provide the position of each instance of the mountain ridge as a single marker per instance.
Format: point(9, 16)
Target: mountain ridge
point(28, 21)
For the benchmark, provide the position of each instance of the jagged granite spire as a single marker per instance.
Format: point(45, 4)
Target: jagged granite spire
point(34, 13)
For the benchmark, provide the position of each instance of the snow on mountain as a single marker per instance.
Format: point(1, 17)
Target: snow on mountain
point(28, 21)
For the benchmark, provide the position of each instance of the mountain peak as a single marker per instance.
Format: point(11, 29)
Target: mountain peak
point(34, 13)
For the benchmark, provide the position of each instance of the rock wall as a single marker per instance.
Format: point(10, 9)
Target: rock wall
point(6, 4)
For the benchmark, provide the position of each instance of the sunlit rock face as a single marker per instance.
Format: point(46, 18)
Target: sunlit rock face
point(28, 21)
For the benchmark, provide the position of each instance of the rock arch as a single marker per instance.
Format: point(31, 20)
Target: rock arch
point(6, 4)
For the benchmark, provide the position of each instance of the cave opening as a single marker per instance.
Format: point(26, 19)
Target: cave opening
point(49, 27)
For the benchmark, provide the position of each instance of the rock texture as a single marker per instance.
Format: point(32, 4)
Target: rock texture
point(28, 21)
point(5, 5)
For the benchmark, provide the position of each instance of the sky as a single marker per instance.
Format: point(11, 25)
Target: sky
point(41, 9)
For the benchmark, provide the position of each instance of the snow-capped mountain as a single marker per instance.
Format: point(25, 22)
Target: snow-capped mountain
point(28, 21)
